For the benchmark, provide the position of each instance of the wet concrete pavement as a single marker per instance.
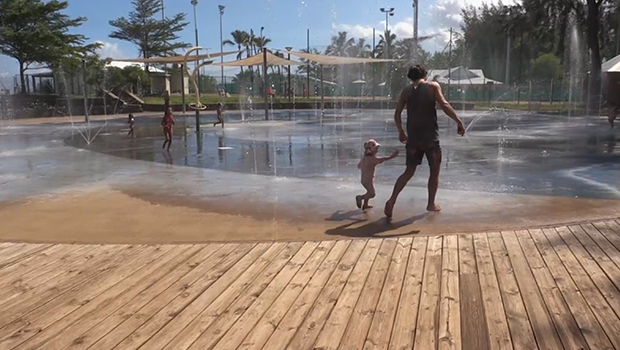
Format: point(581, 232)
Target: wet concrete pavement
point(299, 178)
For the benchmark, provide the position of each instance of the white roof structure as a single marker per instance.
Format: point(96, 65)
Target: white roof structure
point(336, 60)
point(257, 60)
point(123, 64)
point(460, 76)
point(612, 65)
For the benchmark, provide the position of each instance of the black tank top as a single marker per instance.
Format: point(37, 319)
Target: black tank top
point(422, 128)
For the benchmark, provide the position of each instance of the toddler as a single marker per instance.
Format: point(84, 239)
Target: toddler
point(367, 165)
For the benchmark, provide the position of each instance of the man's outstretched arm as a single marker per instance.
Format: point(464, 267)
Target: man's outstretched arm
point(447, 108)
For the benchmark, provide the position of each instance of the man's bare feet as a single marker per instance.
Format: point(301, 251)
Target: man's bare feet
point(389, 207)
point(358, 201)
point(433, 207)
point(367, 207)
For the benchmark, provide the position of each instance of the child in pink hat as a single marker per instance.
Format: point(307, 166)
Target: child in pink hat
point(367, 165)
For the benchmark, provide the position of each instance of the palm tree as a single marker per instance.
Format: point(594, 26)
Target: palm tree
point(240, 38)
point(380, 49)
point(361, 49)
point(261, 42)
point(340, 45)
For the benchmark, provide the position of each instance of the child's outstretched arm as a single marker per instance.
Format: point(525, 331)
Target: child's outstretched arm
point(359, 165)
point(391, 156)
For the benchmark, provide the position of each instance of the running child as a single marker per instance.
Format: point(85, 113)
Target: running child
point(131, 122)
point(168, 122)
point(220, 115)
point(367, 165)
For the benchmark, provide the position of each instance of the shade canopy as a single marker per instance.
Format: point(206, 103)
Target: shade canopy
point(257, 60)
point(175, 59)
point(613, 65)
point(336, 60)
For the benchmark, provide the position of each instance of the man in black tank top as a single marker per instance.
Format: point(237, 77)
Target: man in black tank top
point(422, 137)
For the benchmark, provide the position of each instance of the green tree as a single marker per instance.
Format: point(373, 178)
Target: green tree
point(241, 39)
point(547, 67)
point(152, 36)
point(133, 76)
point(33, 31)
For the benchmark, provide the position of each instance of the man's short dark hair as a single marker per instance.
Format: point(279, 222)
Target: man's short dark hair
point(417, 72)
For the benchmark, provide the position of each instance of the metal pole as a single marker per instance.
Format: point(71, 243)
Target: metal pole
point(183, 87)
point(508, 61)
point(290, 89)
point(374, 47)
point(309, 66)
point(265, 94)
point(618, 34)
point(195, 3)
point(322, 91)
point(387, 25)
point(86, 119)
point(222, 49)
point(415, 30)
point(450, 64)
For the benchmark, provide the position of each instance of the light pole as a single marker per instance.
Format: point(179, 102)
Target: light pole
point(388, 12)
point(195, 3)
point(221, 7)
point(415, 30)
point(289, 48)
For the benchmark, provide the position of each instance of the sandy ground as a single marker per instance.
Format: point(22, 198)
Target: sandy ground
point(112, 216)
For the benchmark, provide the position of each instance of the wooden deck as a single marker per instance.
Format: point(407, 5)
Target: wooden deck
point(555, 288)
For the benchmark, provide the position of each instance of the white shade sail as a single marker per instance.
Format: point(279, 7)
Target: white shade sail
point(337, 60)
point(257, 60)
point(613, 65)
point(175, 59)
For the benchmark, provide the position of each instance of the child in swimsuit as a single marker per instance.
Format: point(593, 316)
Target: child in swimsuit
point(167, 123)
point(367, 165)
point(131, 122)
point(220, 115)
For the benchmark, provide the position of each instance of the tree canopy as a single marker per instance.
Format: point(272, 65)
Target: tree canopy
point(153, 36)
point(33, 31)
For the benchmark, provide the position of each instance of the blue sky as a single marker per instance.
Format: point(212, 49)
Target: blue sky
point(285, 21)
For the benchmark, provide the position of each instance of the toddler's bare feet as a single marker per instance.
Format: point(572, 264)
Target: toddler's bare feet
point(389, 207)
point(433, 207)
point(358, 201)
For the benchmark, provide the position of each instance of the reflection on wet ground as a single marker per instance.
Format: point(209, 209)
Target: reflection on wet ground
point(503, 152)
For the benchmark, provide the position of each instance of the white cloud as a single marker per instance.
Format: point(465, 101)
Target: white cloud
point(355, 31)
point(109, 49)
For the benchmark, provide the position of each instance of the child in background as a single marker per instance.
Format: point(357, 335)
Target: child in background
point(220, 115)
point(168, 122)
point(131, 122)
point(367, 165)
point(613, 110)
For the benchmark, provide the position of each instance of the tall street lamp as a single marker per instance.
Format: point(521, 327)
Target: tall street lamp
point(195, 3)
point(415, 30)
point(221, 7)
point(288, 48)
point(388, 12)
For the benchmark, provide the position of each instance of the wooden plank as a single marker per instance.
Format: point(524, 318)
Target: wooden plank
point(608, 266)
point(474, 327)
point(35, 261)
point(215, 324)
point(428, 316)
point(163, 327)
point(302, 306)
point(579, 292)
point(336, 324)
point(25, 282)
point(87, 268)
point(173, 283)
point(403, 332)
point(518, 321)
point(542, 324)
point(20, 252)
point(449, 335)
point(383, 321)
point(606, 230)
point(565, 323)
point(595, 235)
point(499, 334)
point(242, 327)
point(189, 335)
point(260, 334)
point(151, 280)
point(576, 253)
point(361, 318)
point(158, 312)
point(309, 330)
point(52, 319)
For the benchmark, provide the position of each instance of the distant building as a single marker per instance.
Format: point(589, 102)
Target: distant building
point(460, 76)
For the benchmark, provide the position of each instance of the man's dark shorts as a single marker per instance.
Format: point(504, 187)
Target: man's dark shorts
point(415, 153)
